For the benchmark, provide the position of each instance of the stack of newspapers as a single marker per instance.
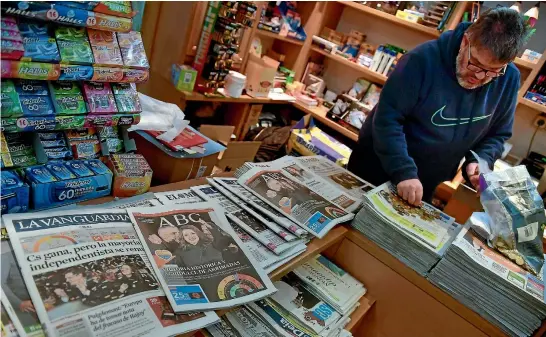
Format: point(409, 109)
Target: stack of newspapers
point(417, 236)
point(492, 285)
point(306, 304)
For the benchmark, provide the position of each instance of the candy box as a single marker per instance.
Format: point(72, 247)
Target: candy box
point(15, 193)
point(81, 134)
point(183, 77)
point(64, 88)
point(116, 8)
point(78, 51)
point(51, 188)
point(12, 50)
point(107, 74)
point(36, 105)
point(32, 29)
point(75, 72)
point(70, 33)
point(132, 49)
point(105, 47)
point(11, 35)
point(31, 87)
point(97, 88)
point(132, 174)
point(72, 104)
point(86, 149)
point(9, 23)
point(40, 48)
point(58, 153)
point(10, 103)
point(30, 70)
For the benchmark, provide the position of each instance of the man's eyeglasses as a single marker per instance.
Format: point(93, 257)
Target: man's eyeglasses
point(477, 70)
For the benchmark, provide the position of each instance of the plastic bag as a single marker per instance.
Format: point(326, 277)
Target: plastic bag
point(157, 115)
point(512, 201)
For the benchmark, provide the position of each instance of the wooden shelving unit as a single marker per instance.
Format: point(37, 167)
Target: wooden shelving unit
point(319, 113)
point(368, 74)
point(524, 64)
point(265, 33)
point(532, 105)
point(392, 19)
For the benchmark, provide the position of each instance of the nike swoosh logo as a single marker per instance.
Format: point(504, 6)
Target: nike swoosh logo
point(446, 121)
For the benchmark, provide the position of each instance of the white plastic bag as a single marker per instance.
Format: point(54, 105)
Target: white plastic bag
point(160, 116)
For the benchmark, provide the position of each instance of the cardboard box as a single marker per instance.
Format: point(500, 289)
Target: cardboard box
point(183, 77)
point(132, 174)
point(408, 17)
point(173, 166)
point(260, 75)
point(332, 35)
point(15, 193)
point(237, 153)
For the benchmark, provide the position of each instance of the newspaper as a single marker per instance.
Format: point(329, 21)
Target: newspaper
point(249, 324)
point(222, 329)
point(141, 200)
point(336, 175)
point(7, 327)
point(267, 260)
point(425, 223)
point(87, 275)
point(200, 261)
point(276, 242)
point(234, 187)
point(307, 207)
point(296, 230)
point(498, 264)
point(178, 197)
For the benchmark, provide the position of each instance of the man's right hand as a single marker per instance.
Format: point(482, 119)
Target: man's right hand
point(26, 306)
point(411, 190)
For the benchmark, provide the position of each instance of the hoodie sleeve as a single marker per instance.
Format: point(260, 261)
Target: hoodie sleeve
point(398, 98)
point(491, 146)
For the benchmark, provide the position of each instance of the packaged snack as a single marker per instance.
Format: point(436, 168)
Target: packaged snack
point(3, 144)
point(115, 145)
point(11, 50)
point(128, 103)
point(58, 153)
point(36, 105)
point(132, 174)
point(70, 33)
point(108, 132)
point(64, 88)
point(132, 50)
point(75, 72)
point(9, 23)
point(30, 29)
point(6, 160)
point(15, 193)
point(10, 103)
point(45, 136)
point(11, 35)
point(108, 22)
point(78, 52)
point(106, 74)
point(97, 166)
point(81, 134)
point(30, 70)
point(60, 171)
point(105, 47)
point(53, 143)
point(39, 174)
point(134, 75)
point(99, 97)
point(31, 87)
point(86, 149)
point(25, 160)
point(40, 49)
point(78, 168)
point(20, 149)
point(116, 8)
point(124, 88)
point(98, 88)
point(69, 104)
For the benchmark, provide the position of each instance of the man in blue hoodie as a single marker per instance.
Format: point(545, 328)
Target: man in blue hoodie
point(445, 98)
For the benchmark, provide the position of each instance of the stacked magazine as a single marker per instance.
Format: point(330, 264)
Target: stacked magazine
point(492, 285)
point(417, 236)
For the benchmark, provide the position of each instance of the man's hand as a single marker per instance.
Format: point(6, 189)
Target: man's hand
point(411, 190)
point(26, 306)
point(473, 173)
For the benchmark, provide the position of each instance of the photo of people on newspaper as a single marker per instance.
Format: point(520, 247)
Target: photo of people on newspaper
point(15, 290)
point(198, 262)
point(73, 289)
point(294, 198)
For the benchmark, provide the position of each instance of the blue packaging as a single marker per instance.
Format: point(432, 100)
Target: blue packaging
point(29, 29)
point(53, 143)
point(36, 105)
point(76, 72)
point(60, 171)
point(62, 192)
point(15, 193)
point(32, 87)
point(58, 153)
point(97, 166)
point(50, 135)
point(40, 49)
point(78, 168)
point(39, 174)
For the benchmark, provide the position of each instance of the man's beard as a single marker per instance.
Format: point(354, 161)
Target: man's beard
point(460, 76)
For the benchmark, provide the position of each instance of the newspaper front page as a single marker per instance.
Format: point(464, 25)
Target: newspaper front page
point(87, 275)
point(249, 324)
point(276, 242)
point(496, 263)
point(336, 194)
point(295, 199)
point(179, 197)
point(425, 223)
point(7, 328)
point(200, 262)
point(336, 175)
point(234, 187)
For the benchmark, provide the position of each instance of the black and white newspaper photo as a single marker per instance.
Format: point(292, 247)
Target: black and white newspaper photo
point(200, 261)
point(88, 275)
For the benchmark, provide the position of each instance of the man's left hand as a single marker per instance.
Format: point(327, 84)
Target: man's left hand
point(473, 173)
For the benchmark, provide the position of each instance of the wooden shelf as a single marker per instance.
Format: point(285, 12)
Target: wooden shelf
point(198, 97)
point(370, 75)
point(393, 19)
point(532, 105)
point(524, 64)
point(319, 112)
point(366, 303)
point(278, 37)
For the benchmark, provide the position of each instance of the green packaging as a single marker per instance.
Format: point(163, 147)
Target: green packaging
point(69, 104)
point(64, 88)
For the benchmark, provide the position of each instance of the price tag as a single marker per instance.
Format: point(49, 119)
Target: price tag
point(52, 14)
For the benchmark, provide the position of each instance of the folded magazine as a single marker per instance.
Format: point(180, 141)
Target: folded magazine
point(199, 260)
point(288, 195)
point(87, 275)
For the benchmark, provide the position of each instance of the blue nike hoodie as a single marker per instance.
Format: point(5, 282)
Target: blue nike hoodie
point(425, 122)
